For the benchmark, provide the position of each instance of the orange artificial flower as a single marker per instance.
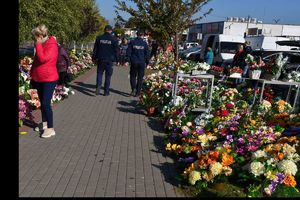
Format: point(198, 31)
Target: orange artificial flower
point(280, 156)
point(227, 159)
point(281, 103)
point(214, 154)
point(289, 180)
point(210, 161)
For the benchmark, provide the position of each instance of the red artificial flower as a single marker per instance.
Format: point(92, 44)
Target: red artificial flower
point(229, 105)
point(224, 113)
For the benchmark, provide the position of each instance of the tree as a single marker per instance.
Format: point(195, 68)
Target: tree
point(68, 20)
point(165, 18)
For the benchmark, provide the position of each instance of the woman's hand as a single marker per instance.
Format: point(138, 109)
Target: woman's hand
point(39, 39)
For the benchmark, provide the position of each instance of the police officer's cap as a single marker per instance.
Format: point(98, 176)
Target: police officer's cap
point(108, 28)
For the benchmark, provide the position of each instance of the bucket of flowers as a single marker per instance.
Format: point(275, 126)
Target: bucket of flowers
point(236, 72)
point(201, 68)
point(255, 68)
point(272, 69)
point(216, 70)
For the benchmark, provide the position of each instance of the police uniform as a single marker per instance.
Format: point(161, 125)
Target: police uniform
point(105, 53)
point(137, 53)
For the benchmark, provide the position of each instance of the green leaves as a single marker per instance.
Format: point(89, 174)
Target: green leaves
point(68, 20)
point(165, 19)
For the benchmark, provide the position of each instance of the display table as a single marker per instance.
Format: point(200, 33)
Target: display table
point(274, 82)
point(210, 84)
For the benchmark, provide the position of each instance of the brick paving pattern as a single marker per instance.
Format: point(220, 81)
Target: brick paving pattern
point(103, 147)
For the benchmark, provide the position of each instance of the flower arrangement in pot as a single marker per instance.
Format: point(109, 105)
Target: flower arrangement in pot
point(255, 66)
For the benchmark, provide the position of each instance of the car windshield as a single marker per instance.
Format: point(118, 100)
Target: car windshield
point(229, 47)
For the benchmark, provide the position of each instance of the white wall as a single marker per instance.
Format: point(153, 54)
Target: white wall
point(238, 28)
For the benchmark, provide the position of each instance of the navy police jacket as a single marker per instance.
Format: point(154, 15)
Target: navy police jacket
point(137, 51)
point(105, 48)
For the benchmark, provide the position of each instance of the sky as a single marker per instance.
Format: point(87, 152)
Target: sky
point(286, 11)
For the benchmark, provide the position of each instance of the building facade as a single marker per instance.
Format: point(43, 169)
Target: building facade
point(242, 26)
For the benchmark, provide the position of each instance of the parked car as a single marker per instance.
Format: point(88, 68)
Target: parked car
point(190, 45)
point(186, 54)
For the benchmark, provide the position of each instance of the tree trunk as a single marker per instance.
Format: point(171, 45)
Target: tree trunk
point(176, 45)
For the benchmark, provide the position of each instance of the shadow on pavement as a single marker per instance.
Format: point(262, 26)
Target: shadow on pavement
point(93, 86)
point(131, 107)
point(29, 123)
point(168, 169)
point(83, 88)
point(155, 124)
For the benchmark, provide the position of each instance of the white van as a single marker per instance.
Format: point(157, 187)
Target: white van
point(224, 47)
point(267, 43)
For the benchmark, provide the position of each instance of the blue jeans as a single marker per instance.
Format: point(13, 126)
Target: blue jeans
point(108, 68)
point(45, 91)
point(137, 71)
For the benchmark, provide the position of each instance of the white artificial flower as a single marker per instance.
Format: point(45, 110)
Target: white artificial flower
point(216, 168)
point(259, 154)
point(189, 124)
point(257, 168)
point(194, 176)
point(287, 167)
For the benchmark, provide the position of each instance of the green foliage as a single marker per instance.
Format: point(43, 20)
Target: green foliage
point(164, 19)
point(68, 20)
point(285, 191)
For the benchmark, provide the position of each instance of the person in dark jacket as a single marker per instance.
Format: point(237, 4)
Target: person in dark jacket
point(154, 48)
point(63, 62)
point(137, 53)
point(239, 57)
point(105, 52)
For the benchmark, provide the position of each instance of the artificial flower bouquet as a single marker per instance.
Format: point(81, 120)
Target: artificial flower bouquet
point(236, 72)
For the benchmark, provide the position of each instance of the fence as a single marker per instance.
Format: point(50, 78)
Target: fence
point(71, 45)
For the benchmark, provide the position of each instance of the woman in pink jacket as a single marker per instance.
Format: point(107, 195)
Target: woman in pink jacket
point(44, 75)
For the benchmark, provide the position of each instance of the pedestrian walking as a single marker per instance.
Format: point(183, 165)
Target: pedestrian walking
point(123, 49)
point(63, 62)
point(154, 48)
point(137, 53)
point(44, 76)
point(105, 52)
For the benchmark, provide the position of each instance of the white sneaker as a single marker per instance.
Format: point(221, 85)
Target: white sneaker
point(48, 133)
point(65, 89)
point(41, 126)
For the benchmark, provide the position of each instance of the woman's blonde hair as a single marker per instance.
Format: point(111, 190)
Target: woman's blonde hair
point(40, 30)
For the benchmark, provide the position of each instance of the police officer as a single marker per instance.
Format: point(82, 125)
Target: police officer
point(105, 53)
point(137, 53)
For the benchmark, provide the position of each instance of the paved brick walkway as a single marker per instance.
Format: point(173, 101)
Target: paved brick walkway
point(104, 147)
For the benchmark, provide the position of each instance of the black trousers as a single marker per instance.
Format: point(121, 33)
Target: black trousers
point(137, 71)
point(106, 66)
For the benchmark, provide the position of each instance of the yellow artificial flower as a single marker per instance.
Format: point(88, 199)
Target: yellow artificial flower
point(168, 147)
point(174, 147)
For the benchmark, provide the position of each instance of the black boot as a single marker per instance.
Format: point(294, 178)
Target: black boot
point(132, 92)
point(97, 91)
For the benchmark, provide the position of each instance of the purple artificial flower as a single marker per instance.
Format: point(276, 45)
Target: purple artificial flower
point(252, 148)
point(185, 133)
point(241, 141)
point(229, 138)
point(280, 177)
point(199, 131)
point(185, 160)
